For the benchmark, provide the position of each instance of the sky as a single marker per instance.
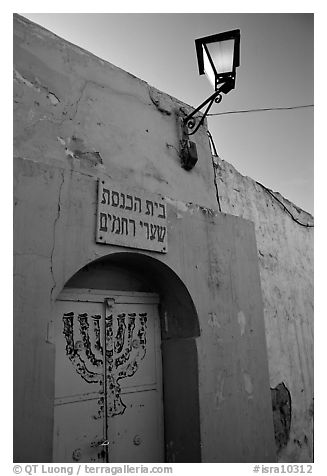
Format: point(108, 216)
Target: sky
point(276, 70)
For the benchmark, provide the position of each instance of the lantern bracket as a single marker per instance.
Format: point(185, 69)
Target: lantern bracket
point(190, 121)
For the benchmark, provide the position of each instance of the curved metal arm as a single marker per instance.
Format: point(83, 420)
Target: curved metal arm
point(189, 121)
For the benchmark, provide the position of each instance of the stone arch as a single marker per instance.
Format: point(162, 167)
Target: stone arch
point(128, 271)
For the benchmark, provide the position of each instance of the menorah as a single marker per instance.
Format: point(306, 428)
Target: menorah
point(123, 353)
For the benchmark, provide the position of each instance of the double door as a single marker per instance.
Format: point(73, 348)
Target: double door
point(108, 382)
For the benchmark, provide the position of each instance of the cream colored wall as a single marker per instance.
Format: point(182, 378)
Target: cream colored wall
point(74, 108)
point(285, 251)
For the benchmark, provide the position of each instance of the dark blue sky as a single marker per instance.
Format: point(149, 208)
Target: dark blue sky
point(274, 147)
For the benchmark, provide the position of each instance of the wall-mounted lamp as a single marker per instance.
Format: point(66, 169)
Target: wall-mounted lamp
point(218, 57)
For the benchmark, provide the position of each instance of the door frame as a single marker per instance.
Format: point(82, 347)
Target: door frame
point(98, 295)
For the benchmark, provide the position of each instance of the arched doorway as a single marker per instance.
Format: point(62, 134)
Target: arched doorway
point(156, 293)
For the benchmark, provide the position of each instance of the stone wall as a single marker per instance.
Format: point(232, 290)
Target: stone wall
point(285, 251)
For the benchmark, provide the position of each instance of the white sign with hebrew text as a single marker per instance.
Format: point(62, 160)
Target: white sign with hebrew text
point(131, 219)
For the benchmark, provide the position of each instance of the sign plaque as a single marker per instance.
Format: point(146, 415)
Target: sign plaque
point(131, 219)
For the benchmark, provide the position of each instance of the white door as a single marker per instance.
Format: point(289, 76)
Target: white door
point(108, 382)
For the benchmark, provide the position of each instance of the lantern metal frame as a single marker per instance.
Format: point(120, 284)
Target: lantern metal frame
point(201, 43)
point(224, 82)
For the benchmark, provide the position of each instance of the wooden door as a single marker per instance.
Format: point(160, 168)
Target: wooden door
point(108, 383)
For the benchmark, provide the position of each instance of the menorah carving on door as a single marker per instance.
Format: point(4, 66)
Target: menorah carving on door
point(115, 357)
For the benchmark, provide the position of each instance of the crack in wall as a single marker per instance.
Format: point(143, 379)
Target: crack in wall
point(158, 102)
point(19, 78)
point(37, 86)
point(52, 97)
point(78, 100)
point(54, 233)
point(79, 150)
point(112, 90)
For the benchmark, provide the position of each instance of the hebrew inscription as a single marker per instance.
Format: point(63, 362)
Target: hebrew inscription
point(131, 219)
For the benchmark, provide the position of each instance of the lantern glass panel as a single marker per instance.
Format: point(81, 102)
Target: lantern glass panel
point(222, 55)
point(208, 68)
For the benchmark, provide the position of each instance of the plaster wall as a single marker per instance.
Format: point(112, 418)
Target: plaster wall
point(235, 408)
point(78, 119)
point(285, 252)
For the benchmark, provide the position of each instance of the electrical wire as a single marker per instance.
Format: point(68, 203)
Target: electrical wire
point(285, 208)
point(265, 188)
point(212, 143)
point(261, 110)
point(213, 165)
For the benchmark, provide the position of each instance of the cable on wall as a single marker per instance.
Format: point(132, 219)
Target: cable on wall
point(213, 165)
point(285, 208)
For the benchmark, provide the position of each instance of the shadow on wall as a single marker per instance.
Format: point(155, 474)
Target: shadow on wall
point(282, 415)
